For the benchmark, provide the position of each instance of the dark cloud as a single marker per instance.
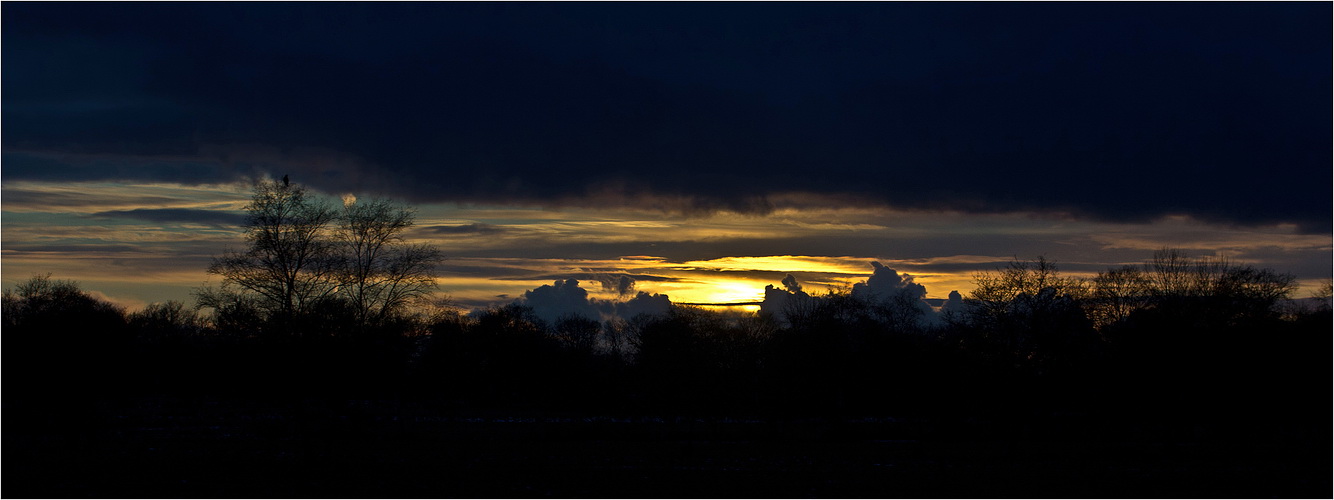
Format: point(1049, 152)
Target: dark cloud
point(562, 298)
point(888, 246)
point(612, 282)
point(451, 269)
point(57, 166)
point(885, 290)
point(623, 285)
point(954, 307)
point(566, 298)
point(73, 248)
point(176, 215)
point(885, 284)
point(465, 229)
point(643, 303)
point(1109, 111)
point(781, 303)
point(60, 201)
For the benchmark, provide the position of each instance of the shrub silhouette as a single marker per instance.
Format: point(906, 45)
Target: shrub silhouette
point(170, 321)
point(499, 356)
point(55, 332)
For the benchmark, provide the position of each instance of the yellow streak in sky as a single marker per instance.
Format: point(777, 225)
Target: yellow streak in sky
point(43, 215)
point(784, 263)
point(89, 197)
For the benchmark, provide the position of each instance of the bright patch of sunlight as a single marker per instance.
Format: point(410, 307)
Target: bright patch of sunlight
point(745, 308)
point(712, 291)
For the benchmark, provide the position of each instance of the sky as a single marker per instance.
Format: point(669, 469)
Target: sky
point(698, 150)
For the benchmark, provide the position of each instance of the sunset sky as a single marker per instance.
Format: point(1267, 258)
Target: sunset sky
point(704, 150)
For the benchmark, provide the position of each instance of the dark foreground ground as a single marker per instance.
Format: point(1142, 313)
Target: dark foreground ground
point(155, 447)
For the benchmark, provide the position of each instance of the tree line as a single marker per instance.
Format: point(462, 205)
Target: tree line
point(333, 301)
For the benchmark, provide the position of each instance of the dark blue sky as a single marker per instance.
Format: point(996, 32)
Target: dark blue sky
point(1108, 111)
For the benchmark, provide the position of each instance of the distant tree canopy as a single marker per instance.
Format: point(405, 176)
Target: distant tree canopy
point(166, 320)
point(56, 333)
point(58, 307)
point(1175, 332)
point(307, 261)
point(1216, 288)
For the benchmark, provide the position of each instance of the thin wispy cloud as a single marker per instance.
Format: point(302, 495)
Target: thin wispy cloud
point(175, 215)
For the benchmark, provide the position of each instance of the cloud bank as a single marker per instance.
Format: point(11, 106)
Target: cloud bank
point(885, 292)
point(1105, 111)
point(565, 298)
point(885, 289)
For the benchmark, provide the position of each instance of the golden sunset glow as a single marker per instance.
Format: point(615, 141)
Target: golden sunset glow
point(686, 249)
point(720, 291)
point(141, 243)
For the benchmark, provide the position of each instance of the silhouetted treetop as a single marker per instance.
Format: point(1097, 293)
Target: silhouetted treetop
point(307, 262)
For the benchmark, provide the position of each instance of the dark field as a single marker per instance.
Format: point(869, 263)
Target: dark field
point(1203, 395)
point(173, 448)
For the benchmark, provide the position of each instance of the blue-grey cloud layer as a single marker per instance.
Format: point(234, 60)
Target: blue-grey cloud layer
point(177, 215)
point(1111, 111)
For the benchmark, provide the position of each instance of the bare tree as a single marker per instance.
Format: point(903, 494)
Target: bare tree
point(1031, 309)
point(166, 320)
point(1116, 293)
point(235, 313)
point(345, 268)
point(381, 271)
point(1324, 294)
point(289, 264)
point(1022, 282)
point(577, 332)
point(1171, 273)
point(1215, 287)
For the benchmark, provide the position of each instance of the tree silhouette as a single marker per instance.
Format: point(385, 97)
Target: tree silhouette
point(336, 270)
point(57, 332)
point(289, 264)
point(574, 331)
point(1030, 309)
point(57, 308)
point(1323, 295)
point(1213, 292)
point(381, 272)
point(1116, 293)
point(166, 321)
